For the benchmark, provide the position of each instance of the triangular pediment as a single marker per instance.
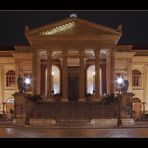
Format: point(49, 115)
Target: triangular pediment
point(71, 27)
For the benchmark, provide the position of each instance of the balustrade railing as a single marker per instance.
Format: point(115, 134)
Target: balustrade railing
point(74, 111)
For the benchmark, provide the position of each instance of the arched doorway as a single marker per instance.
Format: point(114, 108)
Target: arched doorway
point(55, 79)
point(91, 80)
point(137, 108)
point(9, 104)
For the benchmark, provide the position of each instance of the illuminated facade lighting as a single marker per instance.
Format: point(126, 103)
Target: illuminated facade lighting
point(58, 29)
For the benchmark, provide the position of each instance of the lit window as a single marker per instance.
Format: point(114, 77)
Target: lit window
point(136, 78)
point(10, 78)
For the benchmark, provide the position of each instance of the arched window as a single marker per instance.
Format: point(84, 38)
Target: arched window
point(10, 78)
point(10, 100)
point(136, 78)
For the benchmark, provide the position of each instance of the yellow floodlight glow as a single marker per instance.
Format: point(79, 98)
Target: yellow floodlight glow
point(58, 29)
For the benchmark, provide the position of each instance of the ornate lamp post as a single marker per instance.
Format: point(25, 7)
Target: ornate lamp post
point(27, 83)
point(119, 85)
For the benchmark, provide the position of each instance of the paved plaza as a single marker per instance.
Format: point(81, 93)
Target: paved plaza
point(137, 131)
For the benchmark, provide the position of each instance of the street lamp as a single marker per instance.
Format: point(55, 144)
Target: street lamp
point(27, 83)
point(119, 85)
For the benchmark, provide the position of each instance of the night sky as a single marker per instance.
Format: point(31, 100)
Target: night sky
point(135, 23)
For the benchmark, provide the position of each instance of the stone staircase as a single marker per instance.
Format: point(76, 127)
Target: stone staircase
point(73, 123)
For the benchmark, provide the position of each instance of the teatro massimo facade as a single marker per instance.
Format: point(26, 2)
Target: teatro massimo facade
point(73, 60)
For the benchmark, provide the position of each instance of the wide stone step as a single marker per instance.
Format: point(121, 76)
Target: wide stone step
point(73, 121)
point(71, 124)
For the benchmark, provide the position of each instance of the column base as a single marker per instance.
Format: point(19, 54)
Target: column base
point(81, 100)
point(96, 100)
point(49, 100)
point(64, 100)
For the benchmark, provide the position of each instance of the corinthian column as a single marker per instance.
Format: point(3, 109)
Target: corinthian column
point(129, 68)
point(112, 71)
point(145, 83)
point(108, 72)
point(81, 75)
point(49, 74)
point(34, 74)
point(38, 69)
point(17, 72)
point(97, 73)
point(65, 76)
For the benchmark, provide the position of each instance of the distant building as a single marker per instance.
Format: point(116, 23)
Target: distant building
point(72, 59)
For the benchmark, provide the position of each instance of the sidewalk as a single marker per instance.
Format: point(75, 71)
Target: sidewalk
point(8, 124)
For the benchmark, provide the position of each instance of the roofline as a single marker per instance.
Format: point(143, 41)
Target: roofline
point(54, 23)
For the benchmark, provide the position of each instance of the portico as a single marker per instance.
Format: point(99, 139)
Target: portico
point(72, 44)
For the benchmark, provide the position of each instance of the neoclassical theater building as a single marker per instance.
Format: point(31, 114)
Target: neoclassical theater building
point(71, 60)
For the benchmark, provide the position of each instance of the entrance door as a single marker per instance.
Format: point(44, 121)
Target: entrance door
point(73, 88)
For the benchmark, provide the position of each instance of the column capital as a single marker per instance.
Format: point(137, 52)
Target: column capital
point(112, 50)
point(96, 50)
point(81, 50)
point(36, 54)
point(81, 53)
point(49, 52)
point(129, 65)
point(64, 52)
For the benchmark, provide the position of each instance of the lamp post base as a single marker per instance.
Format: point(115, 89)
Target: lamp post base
point(119, 122)
point(27, 122)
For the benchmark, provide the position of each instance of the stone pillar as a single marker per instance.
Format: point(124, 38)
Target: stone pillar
point(49, 74)
point(145, 98)
point(108, 72)
point(17, 72)
point(81, 75)
point(34, 74)
point(129, 75)
point(112, 71)
point(2, 74)
point(38, 69)
point(145, 85)
point(65, 76)
point(97, 73)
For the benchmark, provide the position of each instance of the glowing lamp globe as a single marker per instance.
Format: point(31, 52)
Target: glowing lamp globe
point(120, 80)
point(27, 81)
